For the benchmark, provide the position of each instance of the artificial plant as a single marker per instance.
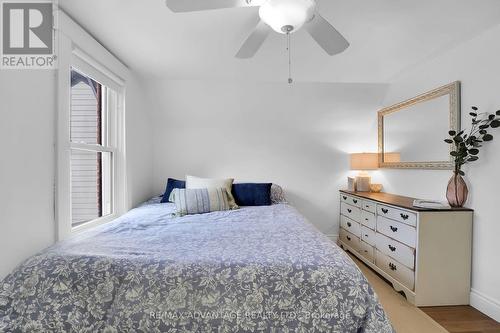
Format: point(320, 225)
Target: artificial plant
point(467, 145)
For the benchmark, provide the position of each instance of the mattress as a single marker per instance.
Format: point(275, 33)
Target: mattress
point(253, 269)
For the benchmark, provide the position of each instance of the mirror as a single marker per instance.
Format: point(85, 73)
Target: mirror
point(414, 130)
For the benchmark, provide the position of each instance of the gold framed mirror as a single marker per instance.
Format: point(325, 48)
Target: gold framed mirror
point(414, 130)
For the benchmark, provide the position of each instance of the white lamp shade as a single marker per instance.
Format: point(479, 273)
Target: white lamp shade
point(364, 161)
point(280, 13)
point(392, 157)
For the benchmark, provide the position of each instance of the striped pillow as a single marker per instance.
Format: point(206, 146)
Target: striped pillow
point(199, 201)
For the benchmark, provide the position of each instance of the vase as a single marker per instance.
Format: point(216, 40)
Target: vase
point(457, 191)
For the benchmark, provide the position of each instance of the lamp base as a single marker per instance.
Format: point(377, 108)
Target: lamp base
point(363, 183)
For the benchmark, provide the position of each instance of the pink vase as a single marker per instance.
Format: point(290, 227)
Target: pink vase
point(457, 191)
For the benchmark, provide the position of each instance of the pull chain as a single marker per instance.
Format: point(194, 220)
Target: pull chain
point(289, 49)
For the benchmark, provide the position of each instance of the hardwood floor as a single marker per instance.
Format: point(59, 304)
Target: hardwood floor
point(462, 319)
point(407, 318)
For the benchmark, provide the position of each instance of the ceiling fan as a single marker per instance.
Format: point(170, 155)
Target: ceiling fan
point(282, 16)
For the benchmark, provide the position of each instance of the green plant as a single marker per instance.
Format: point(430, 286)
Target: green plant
point(467, 145)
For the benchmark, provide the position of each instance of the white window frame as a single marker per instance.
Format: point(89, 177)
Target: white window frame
point(79, 50)
point(109, 144)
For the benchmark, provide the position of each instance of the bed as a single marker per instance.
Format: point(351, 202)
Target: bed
point(256, 269)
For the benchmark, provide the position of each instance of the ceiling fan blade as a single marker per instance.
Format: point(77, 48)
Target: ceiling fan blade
point(326, 35)
point(178, 6)
point(254, 41)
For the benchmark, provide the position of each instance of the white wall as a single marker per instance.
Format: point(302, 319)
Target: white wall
point(139, 143)
point(27, 127)
point(297, 136)
point(477, 65)
point(27, 161)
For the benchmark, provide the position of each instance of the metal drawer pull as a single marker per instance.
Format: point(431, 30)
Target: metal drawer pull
point(394, 229)
point(348, 238)
point(355, 201)
point(392, 248)
point(385, 211)
point(349, 210)
point(349, 224)
point(345, 198)
point(392, 266)
point(404, 216)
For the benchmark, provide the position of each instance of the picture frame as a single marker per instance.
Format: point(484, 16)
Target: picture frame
point(351, 184)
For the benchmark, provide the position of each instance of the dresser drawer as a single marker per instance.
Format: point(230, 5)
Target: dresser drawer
point(396, 250)
point(354, 213)
point(349, 239)
point(369, 206)
point(399, 215)
point(368, 235)
point(349, 225)
point(368, 219)
point(354, 201)
point(366, 250)
point(398, 231)
point(398, 271)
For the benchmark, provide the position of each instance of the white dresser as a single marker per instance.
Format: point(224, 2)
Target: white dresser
point(426, 254)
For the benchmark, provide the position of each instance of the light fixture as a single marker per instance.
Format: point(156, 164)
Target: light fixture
point(364, 162)
point(287, 16)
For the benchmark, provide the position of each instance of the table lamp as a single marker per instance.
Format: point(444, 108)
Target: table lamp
point(364, 162)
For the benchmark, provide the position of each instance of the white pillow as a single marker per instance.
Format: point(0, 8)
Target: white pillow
point(210, 183)
point(199, 201)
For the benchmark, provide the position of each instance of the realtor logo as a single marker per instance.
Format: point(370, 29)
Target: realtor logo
point(27, 35)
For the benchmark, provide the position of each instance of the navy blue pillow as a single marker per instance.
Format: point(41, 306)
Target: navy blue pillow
point(252, 194)
point(171, 184)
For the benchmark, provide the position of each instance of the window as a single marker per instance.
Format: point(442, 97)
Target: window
point(91, 167)
point(92, 106)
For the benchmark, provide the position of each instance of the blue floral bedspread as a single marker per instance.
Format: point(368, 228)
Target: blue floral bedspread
point(256, 269)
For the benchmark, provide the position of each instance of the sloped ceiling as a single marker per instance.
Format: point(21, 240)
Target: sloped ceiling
point(386, 36)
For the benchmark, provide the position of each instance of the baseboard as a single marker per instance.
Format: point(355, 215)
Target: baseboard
point(333, 237)
point(485, 304)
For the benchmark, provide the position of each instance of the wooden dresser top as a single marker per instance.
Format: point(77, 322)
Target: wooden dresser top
point(399, 201)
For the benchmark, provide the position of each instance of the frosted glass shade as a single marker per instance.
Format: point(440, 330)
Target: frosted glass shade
point(364, 161)
point(280, 13)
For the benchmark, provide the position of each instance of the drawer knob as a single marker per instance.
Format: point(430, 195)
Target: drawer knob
point(366, 219)
point(392, 248)
point(349, 210)
point(404, 216)
point(367, 206)
point(385, 210)
point(392, 266)
point(349, 224)
point(355, 201)
point(366, 235)
point(348, 238)
point(345, 198)
point(394, 229)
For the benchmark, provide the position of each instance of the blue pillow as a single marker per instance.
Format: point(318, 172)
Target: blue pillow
point(252, 194)
point(171, 184)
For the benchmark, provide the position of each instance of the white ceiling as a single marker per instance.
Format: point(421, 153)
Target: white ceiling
point(386, 36)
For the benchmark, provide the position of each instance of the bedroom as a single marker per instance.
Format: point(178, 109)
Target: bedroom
point(170, 99)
